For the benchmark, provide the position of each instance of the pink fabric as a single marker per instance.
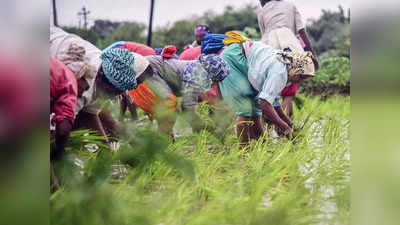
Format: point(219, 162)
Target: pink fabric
point(290, 90)
point(220, 51)
point(190, 54)
point(138, 48)
point(63, 91)
point(303, 45)
point(20, 102)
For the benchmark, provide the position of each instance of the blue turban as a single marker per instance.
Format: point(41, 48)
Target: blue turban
point(118, 68)
point(212, 43)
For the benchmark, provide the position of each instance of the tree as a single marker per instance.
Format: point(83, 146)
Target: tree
point(127, 31)
point(104, 27)
point(330, 34)
point(180, 34)
point(88, 35)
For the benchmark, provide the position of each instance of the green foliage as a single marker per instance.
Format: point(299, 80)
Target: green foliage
point(330, 34)
point(272, 181)
point(333, 76)
point(88, 35)
point(232, 19)
point(179, 34)
point(129, 31)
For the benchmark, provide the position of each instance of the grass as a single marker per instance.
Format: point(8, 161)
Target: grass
point(204, 179)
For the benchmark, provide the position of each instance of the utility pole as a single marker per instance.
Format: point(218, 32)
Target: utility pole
point(84, 13)
point(55, 21)
point(150, 23)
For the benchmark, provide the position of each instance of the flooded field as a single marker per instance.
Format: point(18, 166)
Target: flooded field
point(210, 179)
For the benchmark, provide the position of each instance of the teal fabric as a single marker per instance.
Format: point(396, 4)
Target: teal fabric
point(266, 73)
point(118, 68)
point(236, 89)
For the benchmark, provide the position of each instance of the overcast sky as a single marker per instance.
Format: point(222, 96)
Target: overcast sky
point(169, 11)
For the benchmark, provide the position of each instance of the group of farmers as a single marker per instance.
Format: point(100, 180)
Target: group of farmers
point(251, 77)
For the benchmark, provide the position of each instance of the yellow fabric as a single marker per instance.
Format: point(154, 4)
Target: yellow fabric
point(234, 37)
point(298, 63)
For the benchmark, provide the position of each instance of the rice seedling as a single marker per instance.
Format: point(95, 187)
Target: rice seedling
point(208, 178)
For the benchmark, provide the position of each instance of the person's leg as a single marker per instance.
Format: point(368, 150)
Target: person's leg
point(257, 129)
point(110, 125)
point(165, 113)
point(248, 128)
point(126, 103)
point(166, 124)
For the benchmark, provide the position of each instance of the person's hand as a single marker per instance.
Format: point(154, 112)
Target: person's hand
point(315, 61)
point(285, 130)
point(63, 129)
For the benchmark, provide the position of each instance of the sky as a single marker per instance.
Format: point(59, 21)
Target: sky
point(168, 11)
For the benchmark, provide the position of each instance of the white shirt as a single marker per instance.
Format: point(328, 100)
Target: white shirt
point(59, 42)
point(278, 14)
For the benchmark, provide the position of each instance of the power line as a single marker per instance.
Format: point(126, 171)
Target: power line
point(55, 21)
point(150, 23)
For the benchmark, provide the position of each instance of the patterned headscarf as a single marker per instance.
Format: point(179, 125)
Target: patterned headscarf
point(204, 70)
point(216, 67)
point(201, 30)
point(118, 67)
point(297, 63)
point(74, 58)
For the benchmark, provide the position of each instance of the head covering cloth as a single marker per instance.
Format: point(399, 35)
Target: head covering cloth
point(202, 30)
point(118, 68)
point(297, 62)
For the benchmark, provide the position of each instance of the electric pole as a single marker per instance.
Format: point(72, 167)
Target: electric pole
point(55, 21)
point(84, 13)
point(150, 23)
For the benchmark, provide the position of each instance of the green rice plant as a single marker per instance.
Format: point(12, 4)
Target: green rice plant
point(202, 178)
point(333, 77)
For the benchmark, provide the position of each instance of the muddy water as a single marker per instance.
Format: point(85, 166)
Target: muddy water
point(327, 206)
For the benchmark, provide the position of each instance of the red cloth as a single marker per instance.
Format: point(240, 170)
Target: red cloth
point(290, 90)
point(190, 54)
point(63, 91)
point(138, 48)
point(212, 97)
point(168, 51)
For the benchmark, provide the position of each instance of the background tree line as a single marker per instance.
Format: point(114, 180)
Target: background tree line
point(330, 33)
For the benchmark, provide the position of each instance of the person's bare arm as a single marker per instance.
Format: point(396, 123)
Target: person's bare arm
point(283, 116)
point(270, 113)
point(101, 128)
point(304, 36)
point(126, 103)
